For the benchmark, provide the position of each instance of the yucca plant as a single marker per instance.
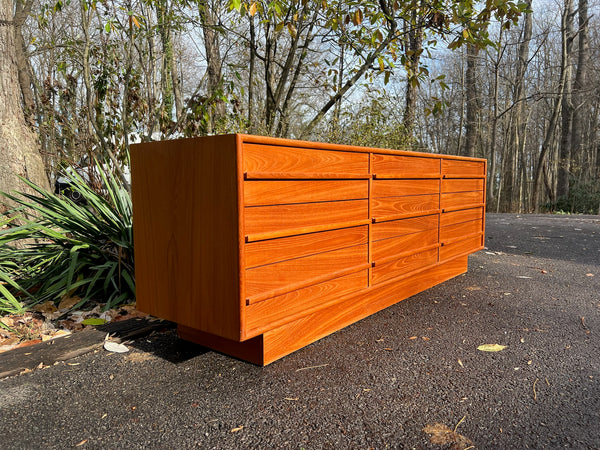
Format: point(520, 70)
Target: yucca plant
point(61, 248)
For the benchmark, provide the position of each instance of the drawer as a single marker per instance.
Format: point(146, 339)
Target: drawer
point(269, 219)
point(275, 311)
point(456, 231)
point(458, 168)
point(464, 215)
point(295, 272)
point(397, 188)
point(388, 248)
point(386, 230)
point(390, 206)
point(402, 266)
point(469, 245)
point(462, 185)
point(404, 166)
point(274, 158)
point(303, 191)
point(458, 199)
point(275, 250)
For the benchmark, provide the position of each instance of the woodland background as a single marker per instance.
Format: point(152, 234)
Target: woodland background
point(517, 83)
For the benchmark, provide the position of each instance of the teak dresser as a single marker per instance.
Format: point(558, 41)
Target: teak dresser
point(259, 246)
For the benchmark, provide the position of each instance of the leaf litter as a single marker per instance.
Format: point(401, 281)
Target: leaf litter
point(46, 322)
point(443, 435)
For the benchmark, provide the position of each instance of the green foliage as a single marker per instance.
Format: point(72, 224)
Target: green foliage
point(373, 125)
point(583, 198)
point(61, 249)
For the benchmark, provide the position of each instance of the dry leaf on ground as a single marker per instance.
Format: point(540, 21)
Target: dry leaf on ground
point(491, 347)
point(442, 435)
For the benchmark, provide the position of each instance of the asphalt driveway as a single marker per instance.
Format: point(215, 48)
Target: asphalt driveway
point(396, 379)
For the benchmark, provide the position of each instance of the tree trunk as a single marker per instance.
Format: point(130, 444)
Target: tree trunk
point(580, 84)
point(552, 125)
point(19, 149)
point(471, 94)
point(564, 160)
point(208, 17)
point(415, 46)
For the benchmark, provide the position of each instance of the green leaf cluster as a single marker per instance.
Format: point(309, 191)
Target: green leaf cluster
point(51, 247)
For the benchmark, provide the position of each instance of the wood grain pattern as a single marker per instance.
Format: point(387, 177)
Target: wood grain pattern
point(405, 166)
point(452, 232)
point(295, 335)
point(185, 258)
point(276, 311)
point(469, 245)
point(403, 266)
point(398, 188)
point(401, 244)
point(389, 206)
point(277, 158)
point(464, 169)
point(462, 185)
point(266, 219)
point(258, 193)
point(385, 230)
point(276, 250)
point(274, 276)
point(463, 215)
point(458, 199)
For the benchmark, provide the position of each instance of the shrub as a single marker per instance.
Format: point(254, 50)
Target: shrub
point(54, 248)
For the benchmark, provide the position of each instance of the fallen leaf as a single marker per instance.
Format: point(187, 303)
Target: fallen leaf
point(491, 347)
point(115, 347)
point(234, 430)
point(442, 435)
point(81, 443)
point(94, 321)
point(68, 302)
point(473, 288)
point(46, 307)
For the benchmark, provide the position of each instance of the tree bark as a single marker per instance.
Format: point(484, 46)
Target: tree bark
point(472, 95)
point(214, 62)
point(415, 46)
point(579, 86)
point(552, 125)
point(19, 149)
point(564, 160)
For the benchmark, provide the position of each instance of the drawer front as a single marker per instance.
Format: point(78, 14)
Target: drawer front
point(301, 270)
point(458, 199)
point(405, 166)
point(276, 250)
point(402, 266)
point(458, 230)
point(268, 219)
point(275, 311)
point(463, 215)
point(386, 230)
point(273, 158)
point(387, 248)
point(303, 191)
point(397, 188)
point(391, 206)
point(462, 185)
point(469, 245)
point(458, 168)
